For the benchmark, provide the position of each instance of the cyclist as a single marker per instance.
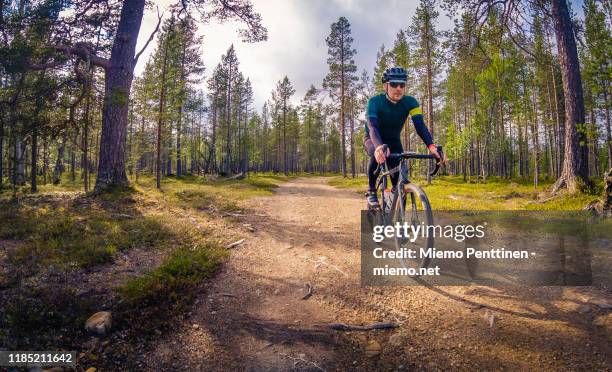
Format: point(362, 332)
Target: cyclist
point(386, 115)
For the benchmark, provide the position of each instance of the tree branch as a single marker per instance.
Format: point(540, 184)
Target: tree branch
point(159, 19)
point(84, 52)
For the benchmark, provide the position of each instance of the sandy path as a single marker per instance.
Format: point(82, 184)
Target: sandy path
point(252, 317)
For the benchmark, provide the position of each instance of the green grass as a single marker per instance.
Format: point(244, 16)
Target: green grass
point(68, 236)
point(451, 193)
point(66, 228)
point(174, 279)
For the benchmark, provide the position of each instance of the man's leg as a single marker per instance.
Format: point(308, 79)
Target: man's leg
point(371, 197)
point(395, 148)
point(372, 174)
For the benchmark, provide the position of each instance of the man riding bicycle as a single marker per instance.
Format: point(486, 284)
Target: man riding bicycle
point(386, 115)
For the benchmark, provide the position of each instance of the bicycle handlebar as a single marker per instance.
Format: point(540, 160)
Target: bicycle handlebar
point(414, 155)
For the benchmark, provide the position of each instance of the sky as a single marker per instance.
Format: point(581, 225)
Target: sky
point(296, 39)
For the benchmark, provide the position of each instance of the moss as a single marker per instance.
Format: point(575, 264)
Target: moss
point(119, 96)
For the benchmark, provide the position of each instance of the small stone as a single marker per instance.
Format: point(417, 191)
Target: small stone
point(602, 304)
point(276, 291)
point(373, 349)
point(213, 312)
point(490, 318)
point(195, 326)
point(99, 322)
point(584, 309)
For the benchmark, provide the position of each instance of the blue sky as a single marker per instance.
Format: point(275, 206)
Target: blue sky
point(296, 39)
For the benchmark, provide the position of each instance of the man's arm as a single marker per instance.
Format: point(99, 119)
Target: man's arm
point(374, 131)
point(419, 124)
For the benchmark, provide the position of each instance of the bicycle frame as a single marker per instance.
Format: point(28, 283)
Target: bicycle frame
point(403, 179)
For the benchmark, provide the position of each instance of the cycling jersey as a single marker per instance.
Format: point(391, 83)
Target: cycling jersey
point(386, 119)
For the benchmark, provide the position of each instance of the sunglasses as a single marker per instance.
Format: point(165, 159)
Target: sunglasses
point(395, 85)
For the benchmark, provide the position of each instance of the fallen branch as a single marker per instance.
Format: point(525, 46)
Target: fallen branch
point(238, 176)
point(300, 358)
point(321, 261)
point(232, 245)
point(310, 290)
point(351, 327)
point(233, 214)
point(226, 294)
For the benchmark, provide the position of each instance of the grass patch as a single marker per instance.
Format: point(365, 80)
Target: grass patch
point(174, 280)
point(67, 236)
point(452, 193)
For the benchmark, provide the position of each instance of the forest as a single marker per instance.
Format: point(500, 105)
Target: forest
point(516, 90)
point(156, 214)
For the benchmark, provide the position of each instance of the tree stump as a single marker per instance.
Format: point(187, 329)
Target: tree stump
point(603, 206)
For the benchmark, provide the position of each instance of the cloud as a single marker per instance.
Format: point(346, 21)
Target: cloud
point(296, 39)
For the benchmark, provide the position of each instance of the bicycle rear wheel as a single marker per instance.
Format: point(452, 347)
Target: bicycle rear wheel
point(414, 209)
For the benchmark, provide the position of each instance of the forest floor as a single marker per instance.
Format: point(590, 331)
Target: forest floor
point(250, 314)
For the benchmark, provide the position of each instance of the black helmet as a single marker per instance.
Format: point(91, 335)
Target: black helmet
point(395, 74)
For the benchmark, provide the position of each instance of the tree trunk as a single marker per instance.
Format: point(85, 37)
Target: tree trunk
point(342, 122)
point(608, 133)
point(575, 162)
point(179, 165)
point(160, 117)
point(228, 157)
point(19, 161)
point(536, 141)
point(59, 164)
point(119, 75)
point(34, 158)
point(2, 150)
point(85, 139)
point(72, 164)
point(45, 159)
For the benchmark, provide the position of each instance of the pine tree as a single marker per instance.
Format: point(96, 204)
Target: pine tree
point(282, 95)
point(341, 76)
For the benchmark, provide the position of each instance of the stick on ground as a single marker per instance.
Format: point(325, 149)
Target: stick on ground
point(351, 327)
point(309, 293)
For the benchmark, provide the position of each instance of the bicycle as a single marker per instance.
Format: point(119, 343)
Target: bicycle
point(392, 211)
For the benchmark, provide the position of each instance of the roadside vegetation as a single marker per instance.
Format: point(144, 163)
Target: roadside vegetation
point(452, 193)
point(139, 252)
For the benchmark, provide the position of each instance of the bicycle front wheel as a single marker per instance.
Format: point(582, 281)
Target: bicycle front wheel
point(416, 211)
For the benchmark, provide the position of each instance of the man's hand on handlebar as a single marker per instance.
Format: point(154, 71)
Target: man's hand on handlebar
point(440, 155)
point(381, 153)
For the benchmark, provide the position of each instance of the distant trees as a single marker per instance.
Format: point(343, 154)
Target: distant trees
point(502, 91)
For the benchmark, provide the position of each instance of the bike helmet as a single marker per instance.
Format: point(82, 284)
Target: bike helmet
point(395, 75)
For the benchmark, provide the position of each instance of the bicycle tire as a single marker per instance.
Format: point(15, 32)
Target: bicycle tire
point(420, 212)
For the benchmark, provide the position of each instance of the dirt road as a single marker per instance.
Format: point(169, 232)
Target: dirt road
point(252, 315)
